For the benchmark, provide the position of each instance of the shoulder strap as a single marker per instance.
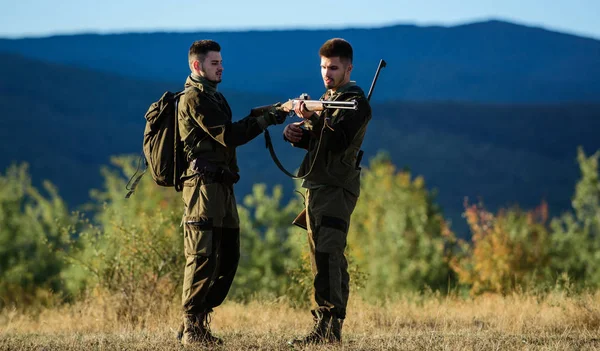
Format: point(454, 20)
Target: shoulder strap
point(139, 177)
point(274, 156)
point(177, 182)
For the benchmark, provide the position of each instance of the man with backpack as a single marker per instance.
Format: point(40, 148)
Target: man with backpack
point(332, 180)
point(211, 223)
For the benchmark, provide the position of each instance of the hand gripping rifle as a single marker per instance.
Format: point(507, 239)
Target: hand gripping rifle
point(311, 105)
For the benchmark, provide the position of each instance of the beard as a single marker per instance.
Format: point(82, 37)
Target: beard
point(216, 78)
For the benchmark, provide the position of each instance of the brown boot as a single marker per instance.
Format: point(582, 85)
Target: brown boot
point(196, 330)
point(327, 329)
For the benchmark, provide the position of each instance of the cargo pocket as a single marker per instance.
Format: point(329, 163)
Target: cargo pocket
point(190, 192)
point(191, 181)
point(198, 236)
point(331, 235)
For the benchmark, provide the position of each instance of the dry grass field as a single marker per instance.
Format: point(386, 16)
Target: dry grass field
point(516, 322)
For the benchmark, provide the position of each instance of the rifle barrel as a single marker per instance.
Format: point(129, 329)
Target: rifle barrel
point(344, 105)
point(382, 64)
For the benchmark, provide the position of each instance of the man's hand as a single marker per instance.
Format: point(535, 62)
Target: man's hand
point(301, 110)
point(293, 132)
point(275, 114)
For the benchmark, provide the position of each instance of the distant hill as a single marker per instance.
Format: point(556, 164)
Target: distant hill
point(67, 121)
point(492, 61)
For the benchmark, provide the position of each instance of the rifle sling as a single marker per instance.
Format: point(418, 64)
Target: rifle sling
point(278, 163)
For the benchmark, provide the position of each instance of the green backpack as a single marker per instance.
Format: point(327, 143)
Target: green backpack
point(162, 147)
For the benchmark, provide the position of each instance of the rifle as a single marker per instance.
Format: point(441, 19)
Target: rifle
point(311, 105)
point(300, 220)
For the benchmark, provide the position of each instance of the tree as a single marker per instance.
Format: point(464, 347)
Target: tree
point(398, 236)
point(576, 236)
point(34, 234)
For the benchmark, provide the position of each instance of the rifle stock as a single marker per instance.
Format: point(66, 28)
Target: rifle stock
point(300, 220)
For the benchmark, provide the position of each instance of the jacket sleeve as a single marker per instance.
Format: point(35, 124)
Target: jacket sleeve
point(215, 121)
point(347, 125)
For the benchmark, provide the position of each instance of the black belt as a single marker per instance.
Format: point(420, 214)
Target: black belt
point(210, 173)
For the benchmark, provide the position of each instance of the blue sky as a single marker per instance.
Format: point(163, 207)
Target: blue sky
point(46, 17)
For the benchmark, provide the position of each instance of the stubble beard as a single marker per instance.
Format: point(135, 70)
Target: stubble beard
point(218, 77)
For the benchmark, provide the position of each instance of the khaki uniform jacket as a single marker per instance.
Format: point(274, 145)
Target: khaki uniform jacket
point(206, 127)
point(335, 162)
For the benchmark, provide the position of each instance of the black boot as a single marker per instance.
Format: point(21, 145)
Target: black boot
point(327, 329)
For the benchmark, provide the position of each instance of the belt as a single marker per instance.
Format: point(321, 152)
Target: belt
point(210, 173)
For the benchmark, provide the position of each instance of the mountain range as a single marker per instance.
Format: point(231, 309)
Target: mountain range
point(492, 61)
point(490, 110)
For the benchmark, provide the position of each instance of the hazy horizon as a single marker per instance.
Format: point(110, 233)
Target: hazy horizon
point(35, 18)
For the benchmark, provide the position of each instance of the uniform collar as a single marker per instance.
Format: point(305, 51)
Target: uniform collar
point(341, 89)
point(207, 85)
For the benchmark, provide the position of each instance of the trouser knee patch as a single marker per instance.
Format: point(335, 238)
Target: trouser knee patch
point(322, 278)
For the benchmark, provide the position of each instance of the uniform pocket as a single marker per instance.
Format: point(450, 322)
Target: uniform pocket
point(198, 236)
point(340, 166)
point(191, 181)
point(331, 235)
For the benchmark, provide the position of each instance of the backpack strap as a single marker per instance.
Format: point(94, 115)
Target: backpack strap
point(139, 177)
point(177, 182)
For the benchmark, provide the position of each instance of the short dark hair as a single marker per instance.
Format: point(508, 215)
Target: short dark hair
point(200, 48)
point(337, 47)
